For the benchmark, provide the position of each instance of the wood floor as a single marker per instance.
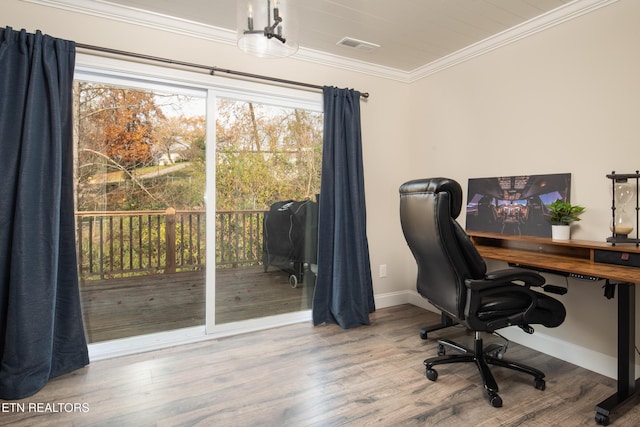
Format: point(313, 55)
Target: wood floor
point(300, 375)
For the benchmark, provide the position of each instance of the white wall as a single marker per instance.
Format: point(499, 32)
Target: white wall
point(564, 100)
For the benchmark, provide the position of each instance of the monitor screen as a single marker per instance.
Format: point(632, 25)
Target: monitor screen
point(515, 205)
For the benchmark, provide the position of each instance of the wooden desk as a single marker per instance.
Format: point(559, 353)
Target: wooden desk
point(577, 258)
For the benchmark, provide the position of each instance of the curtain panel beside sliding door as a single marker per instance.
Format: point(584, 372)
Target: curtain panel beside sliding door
point(344, 290)
point(41, 328)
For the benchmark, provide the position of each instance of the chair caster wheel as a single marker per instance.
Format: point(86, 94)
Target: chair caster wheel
point(498, 354)
point(601, 419)
point(441, 350)
point(423, 334)
point(540, 384)
point(432, 374)
point(494, 350)
point(495, 400)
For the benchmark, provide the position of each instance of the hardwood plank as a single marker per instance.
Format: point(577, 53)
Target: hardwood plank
point(300, 375)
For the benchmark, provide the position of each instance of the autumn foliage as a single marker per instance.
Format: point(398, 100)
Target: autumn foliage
point(128, 136)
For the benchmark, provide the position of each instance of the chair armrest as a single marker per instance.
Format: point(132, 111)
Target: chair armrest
point(506, 277)
point(490, 285)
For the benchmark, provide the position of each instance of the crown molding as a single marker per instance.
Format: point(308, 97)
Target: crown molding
point(144, 18)
point(131, 15)
point(331, 60)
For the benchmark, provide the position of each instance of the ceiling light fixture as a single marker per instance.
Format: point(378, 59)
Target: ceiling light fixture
point(267, 31)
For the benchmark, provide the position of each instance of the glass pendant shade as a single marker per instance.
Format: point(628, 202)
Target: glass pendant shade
point(267, 28)
point(623, 193)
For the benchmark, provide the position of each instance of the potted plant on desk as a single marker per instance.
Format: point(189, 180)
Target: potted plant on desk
point(562, 215)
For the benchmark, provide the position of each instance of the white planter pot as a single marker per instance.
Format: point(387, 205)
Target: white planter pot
point(561, 232)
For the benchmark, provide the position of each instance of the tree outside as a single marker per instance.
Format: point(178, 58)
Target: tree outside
point(129, 144)
point(266, 154)
point(140, 150)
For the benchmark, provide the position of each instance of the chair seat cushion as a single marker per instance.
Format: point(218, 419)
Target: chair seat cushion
point(503, 305)
point(548, 311)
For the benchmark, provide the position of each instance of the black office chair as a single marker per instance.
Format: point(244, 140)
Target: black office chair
point(453, 277)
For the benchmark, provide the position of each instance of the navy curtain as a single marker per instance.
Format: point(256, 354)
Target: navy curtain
point(41, 329)
point(344, 290)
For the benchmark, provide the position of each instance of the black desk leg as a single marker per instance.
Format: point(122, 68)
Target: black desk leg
point(626, 353)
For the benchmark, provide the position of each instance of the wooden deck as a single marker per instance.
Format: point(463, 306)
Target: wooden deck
point(118, 308)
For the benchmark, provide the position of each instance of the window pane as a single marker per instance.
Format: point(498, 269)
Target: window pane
point(140, 174)
point(268, 164)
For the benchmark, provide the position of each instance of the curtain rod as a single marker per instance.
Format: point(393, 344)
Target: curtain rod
point(212, 70)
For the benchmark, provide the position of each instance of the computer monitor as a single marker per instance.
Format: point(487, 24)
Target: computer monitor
point(515, 204)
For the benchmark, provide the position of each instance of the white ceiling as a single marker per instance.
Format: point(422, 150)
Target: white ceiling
point(415, 36)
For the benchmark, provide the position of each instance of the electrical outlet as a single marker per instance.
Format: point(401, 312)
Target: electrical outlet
point(383, 270)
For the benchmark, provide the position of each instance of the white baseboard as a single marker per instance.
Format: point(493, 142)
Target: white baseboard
point(569, 352)
point(391, 299)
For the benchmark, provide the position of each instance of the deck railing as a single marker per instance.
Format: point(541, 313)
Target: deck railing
point(126, 243)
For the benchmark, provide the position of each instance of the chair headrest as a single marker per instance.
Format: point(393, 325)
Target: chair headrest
point(436, 185)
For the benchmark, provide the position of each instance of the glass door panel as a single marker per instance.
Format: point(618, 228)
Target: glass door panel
point(268, 164)
point(140, 211)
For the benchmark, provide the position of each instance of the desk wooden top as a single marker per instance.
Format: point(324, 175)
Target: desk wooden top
point(570, 256)
point(589, 244)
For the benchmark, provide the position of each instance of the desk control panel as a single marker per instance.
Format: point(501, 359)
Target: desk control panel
point(558, 272)
point(585, 277)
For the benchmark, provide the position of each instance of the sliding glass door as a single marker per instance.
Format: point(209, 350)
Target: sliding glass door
point(196, 205)
point(268, 163)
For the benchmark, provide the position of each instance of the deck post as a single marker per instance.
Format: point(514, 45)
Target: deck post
point(170, 239)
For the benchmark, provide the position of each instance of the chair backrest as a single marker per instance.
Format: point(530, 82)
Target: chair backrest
point(443, 251)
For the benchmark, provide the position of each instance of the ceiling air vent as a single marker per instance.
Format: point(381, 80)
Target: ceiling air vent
point(358, 44)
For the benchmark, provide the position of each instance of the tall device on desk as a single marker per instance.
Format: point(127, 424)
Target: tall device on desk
point(624, 191)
